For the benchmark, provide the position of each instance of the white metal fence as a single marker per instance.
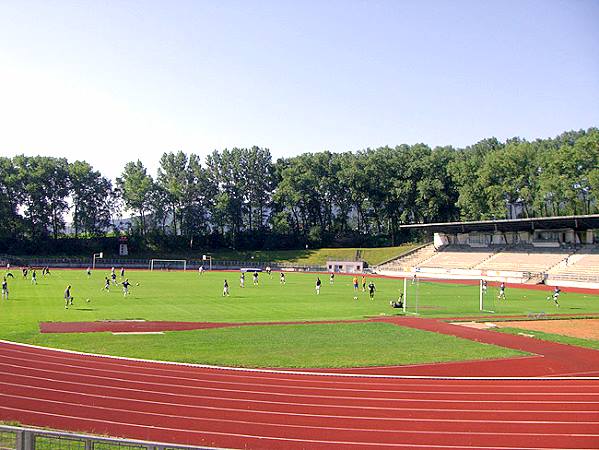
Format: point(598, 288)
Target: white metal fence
point(20, 438)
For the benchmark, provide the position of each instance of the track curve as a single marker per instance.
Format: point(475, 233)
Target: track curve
point(205, 406)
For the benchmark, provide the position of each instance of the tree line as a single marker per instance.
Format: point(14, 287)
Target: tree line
point(242, 198)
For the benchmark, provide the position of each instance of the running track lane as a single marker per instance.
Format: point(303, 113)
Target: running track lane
point(267, 410)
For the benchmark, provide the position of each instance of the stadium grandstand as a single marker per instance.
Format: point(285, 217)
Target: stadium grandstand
point(550, 250)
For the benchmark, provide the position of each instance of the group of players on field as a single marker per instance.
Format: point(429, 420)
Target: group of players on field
point(255, 278)
point(501, 295)
point(68, 297)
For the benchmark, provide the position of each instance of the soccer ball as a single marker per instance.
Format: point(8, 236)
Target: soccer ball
point(87, 300)
point(136, 284)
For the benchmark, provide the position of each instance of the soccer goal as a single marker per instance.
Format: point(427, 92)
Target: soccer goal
point(486, 299)
point(168, 264)
point(424, 296)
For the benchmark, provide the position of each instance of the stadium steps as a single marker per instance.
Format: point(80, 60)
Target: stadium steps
point(584, 263)
point(457, 256)
point(490, 258)
point(409, 259)
point(565, 261)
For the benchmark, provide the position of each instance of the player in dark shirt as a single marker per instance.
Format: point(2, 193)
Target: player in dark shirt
point(371, 290)
point(4, 289)
point(68, 298)
point(126, 285)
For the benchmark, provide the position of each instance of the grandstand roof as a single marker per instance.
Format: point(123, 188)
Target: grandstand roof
point(580, 223)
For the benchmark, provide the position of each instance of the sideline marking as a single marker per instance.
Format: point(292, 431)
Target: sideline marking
point(137, 332)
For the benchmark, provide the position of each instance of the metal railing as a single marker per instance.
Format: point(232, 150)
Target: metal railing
point(21, 438)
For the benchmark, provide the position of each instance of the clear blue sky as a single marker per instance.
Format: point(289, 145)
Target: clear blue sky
point(113, 81)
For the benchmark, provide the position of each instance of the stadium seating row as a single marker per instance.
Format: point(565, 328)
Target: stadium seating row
point(518, 258)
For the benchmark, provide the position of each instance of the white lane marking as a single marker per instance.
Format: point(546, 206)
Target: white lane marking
point(328, 416)
point(295, 387)
point(118, 364)
point(136, 332)
point(316, 396)
point(271, 438)
point(287, 425)
point(303, 373)
point(321, 405)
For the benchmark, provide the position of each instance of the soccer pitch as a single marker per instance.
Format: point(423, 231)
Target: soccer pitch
point(190, 297)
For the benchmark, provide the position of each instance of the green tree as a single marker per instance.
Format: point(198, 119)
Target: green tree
point(135, 187)
point(92, 198)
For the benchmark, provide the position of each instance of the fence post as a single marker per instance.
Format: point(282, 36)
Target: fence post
point(28, 441)
point(19, 440)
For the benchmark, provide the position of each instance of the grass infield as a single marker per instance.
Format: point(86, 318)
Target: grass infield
point(187, 296)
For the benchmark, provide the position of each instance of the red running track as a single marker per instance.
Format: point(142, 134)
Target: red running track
point(206, 406)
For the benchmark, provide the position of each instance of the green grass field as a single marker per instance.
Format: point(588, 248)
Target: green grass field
point(187, 296)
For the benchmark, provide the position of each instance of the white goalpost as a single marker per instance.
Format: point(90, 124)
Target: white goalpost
point(168, 264)
point(415, 300)
point(482, 294)
point(411, 297)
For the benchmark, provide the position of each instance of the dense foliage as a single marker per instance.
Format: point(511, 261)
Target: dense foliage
point(241, 198)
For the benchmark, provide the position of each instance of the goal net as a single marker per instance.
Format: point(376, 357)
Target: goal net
point(168, 264)
point(429, 296)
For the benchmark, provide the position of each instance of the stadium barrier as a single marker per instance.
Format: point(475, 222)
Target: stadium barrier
point(22, 438)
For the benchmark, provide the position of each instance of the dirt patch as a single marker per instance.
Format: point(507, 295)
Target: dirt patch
point(580, 328)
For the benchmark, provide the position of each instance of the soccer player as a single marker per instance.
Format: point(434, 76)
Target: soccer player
point(126, 285)
point(501, 295)
point(555, 296)
point(332, 278)
point(113, 276)
point(122, 272)
point(226, 289)
point(9, 274)
point(242, 280)
point(268, 270)
point(371, 290)
point(47, 270)
point(355, 282)
point(363, 283)
point(89, 272)
point(201, 270)
point(484, 286)
point(4, 289)
point(33, 277)
point(282, 278)
point(24, 270)
point(255, 278)
point(414, 278)
point(107, 284)
point(68, 298)
point(112, 271)
point(318, 283)
point(398, 303)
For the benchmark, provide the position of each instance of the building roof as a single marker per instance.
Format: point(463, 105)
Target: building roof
point(579, 223)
